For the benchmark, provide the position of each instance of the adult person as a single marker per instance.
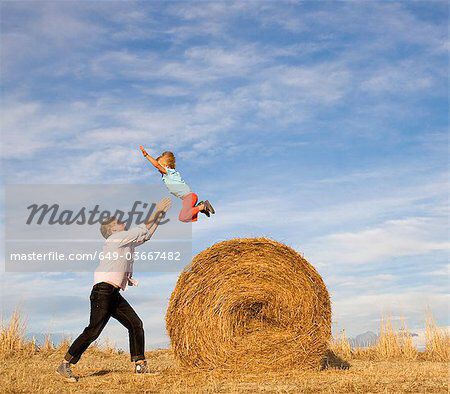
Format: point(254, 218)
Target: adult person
point(113, 274)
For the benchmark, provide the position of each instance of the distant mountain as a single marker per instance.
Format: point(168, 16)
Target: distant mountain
point(368, 338)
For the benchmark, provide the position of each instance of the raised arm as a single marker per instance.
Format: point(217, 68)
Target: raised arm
point(158, 166)
point(158, 214)
point(138, 235)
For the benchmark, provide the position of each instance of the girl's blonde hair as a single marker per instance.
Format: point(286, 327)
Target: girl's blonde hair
point(169, 159)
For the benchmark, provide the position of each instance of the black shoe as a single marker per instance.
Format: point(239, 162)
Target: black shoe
point(65, 371)
point(209, 207)
point(204, 211)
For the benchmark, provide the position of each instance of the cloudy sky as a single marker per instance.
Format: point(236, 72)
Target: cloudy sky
point(320, 124)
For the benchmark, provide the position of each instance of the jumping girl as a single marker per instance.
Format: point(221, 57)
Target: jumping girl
point(165, 164)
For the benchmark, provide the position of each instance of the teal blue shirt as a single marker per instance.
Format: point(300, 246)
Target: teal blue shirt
point(176, 185)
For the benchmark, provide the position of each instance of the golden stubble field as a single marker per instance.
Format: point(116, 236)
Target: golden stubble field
point(106, 371)
point(391, 366)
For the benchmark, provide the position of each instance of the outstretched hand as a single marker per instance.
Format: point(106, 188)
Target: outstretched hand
point(161, 208)
point(163, 205)
point(144, 152)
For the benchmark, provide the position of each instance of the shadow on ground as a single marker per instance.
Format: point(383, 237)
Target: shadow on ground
point(332, 360)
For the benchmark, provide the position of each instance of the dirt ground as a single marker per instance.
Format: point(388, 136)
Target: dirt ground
point(103, 371)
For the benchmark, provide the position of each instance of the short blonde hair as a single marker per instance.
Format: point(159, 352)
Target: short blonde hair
point(106, 227)
point(169, 158)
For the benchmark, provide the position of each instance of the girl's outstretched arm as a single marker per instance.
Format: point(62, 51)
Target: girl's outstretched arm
point(158, 166)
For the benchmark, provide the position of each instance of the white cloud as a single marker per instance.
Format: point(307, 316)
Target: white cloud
point(362, 312)
point(339, 282)
point(315, 207)
point(393, 238)
point(176, 96)
point(29, 127)
point(443, 272)
point(268, 91)
point(401, 78)
point(44, 31)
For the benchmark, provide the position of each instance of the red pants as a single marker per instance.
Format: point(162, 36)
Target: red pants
point(189, 212)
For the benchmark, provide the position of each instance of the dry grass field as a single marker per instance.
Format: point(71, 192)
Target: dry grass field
point(391, 366)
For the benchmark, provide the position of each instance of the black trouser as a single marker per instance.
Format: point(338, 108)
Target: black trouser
point(106, 301)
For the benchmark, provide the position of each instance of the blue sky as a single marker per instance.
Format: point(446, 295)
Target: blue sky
point(320, 124)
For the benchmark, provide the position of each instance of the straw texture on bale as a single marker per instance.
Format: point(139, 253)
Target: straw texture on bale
point(249, 303)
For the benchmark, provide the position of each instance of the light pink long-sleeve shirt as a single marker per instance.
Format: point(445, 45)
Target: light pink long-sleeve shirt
point(116, 264)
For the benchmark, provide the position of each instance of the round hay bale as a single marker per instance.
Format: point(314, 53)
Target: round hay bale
point(249, 303)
